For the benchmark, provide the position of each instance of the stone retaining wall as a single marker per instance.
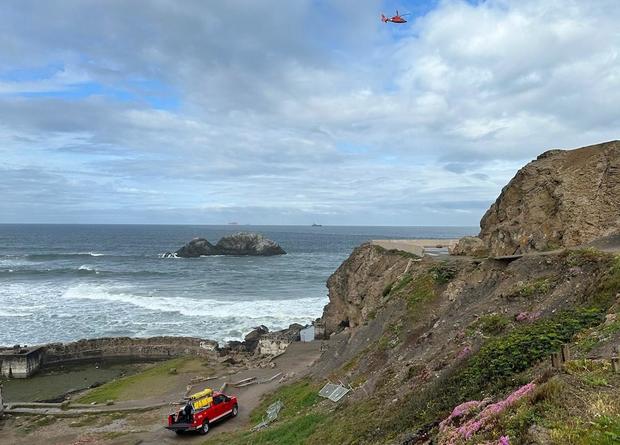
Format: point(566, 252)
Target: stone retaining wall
point(127, 348)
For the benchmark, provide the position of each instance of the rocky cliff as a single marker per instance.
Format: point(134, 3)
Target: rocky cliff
point(429, 344)
point(562, 199)
point(356, 288)
point(422, 336)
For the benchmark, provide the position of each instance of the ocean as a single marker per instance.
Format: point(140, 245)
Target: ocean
point(68, 282)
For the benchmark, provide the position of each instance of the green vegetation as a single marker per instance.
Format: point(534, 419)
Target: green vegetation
point(496, 368)
point(590, 339)
point(295, 431)
point(592, 373)
point(391, 336)
point(423, 290)
point(404, 281)
point(296, 397)
point(443, 272)
point(610, 284)
point(155, 380)
point(292, 432)
point(492, 324)
point(540, 286)
point(581, 257)
point(564, 413)
point(502, 357)
point(295, 423)
point(355, 423)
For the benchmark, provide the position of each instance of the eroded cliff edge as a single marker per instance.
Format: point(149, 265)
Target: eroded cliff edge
point(564, 198)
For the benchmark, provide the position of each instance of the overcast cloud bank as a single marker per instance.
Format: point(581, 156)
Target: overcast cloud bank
point(292, 112)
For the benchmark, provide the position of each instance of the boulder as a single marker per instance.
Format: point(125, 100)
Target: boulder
point(237, 244)
point(470, 246)
point(250, 341)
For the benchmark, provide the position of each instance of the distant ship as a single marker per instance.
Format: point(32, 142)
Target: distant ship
point(317, 225)
point(233, 223)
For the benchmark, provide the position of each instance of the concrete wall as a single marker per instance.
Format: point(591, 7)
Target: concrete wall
point(272, 346)
point(20, 364)
point(125, 348)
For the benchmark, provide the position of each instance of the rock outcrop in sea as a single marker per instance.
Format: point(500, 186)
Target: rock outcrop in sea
point(564, 198)
point(242, 243)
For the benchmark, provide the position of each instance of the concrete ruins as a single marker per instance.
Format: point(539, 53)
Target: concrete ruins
point(20, 363)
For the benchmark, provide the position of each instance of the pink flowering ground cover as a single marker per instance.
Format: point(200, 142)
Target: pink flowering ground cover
point(528, 316)
point(464, 353)
point(455, 429)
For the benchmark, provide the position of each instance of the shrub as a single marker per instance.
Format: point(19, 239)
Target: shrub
point(404, 281)
point(540, 286)
point(492, 324)
point(443, 272)
point(516, 351)
point(423, 290)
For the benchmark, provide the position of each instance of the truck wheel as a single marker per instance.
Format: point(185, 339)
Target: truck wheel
point(204, 429)
point(235, 411)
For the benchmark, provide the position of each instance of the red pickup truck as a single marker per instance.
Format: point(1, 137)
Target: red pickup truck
point(201, 412)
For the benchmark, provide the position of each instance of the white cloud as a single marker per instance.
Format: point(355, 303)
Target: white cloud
point(289, 112)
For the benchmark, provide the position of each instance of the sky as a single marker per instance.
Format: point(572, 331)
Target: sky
point(292, 112)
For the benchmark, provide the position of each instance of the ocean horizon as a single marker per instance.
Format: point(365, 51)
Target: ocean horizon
point(65, 282)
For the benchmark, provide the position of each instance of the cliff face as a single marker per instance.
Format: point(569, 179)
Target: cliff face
point(356, 288)
point(562, 199)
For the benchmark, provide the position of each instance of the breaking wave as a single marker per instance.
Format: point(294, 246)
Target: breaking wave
point(82, 271)
point(57, 256)
point(278, 311)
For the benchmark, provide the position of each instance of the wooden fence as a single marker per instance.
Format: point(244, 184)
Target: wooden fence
point(558, 359)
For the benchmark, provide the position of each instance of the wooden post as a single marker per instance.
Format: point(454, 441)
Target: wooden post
point(556, 360)
point(615, 360)
point(1, 403)
point(565, 353)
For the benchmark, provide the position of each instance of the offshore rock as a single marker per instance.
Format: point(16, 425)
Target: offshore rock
point(236, 244)
point(196, 248)
point(244, 243)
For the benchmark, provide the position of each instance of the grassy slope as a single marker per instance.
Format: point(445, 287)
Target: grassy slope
point(155, 380)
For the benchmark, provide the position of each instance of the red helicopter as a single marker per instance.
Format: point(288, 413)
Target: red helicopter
point(398, 18)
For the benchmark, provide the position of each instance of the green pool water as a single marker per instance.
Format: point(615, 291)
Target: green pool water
point(53, 383)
